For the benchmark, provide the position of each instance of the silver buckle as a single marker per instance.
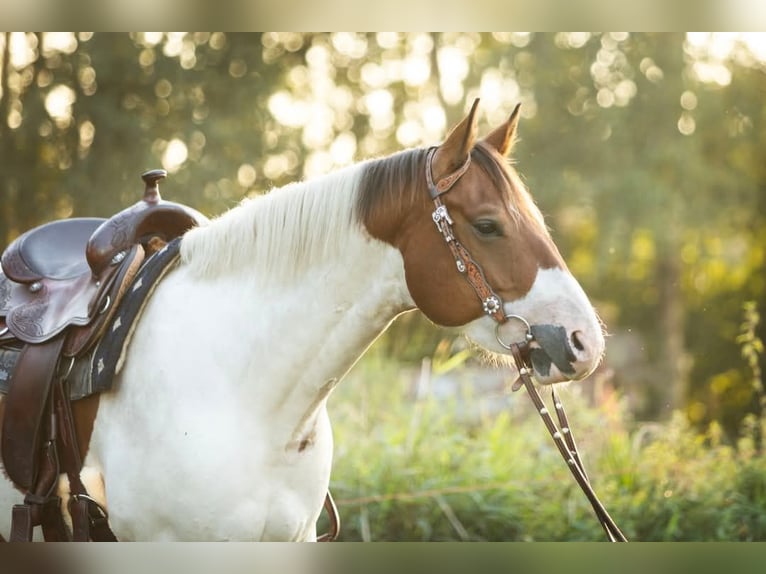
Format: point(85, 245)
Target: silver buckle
point(441, 214)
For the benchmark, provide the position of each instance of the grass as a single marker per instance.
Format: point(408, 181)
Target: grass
point(422, 469)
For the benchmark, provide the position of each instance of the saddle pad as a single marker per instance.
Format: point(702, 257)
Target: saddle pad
point(78, 379)
point(8, 357)
point(110, 351)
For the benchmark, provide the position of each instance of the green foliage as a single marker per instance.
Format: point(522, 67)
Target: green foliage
point(408, 469)
point(752, 348)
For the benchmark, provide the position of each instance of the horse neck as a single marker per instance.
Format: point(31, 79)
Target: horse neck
point(310, 288)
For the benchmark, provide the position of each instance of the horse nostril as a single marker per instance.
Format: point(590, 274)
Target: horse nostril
point(576, 338)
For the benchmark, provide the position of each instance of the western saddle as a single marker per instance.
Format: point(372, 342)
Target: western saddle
point(60, 284)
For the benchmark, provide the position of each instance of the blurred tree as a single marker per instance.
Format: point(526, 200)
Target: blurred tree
point(644, 151)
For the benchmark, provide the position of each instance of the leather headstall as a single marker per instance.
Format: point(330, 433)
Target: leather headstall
point(491, 302)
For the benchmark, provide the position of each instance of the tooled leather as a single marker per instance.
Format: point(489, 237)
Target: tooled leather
point(118, 233)
point(472, 270)
point(445, 183)
point(15, 268)
point(34, 317)
point(5, 293)
point(475, 277)
point(112, 234)
point(26, 320)
point(82, 338)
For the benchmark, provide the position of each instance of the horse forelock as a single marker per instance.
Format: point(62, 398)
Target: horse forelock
point(279, 233)
point(505, 178)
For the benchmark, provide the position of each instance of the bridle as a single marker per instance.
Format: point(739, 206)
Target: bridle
point(466, 265)
point(492, 304)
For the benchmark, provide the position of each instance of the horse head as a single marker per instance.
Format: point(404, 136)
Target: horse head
point(489, 227)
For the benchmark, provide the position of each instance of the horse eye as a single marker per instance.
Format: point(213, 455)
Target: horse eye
point(486, 227)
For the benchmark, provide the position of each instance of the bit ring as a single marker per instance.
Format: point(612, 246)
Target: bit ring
point(527, 338)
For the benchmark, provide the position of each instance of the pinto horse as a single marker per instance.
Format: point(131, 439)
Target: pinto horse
point(217, 428)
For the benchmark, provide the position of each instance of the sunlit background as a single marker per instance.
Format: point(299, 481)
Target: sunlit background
point(644, 151)
point(323, 109)
point(321, 100)
point(231, 115)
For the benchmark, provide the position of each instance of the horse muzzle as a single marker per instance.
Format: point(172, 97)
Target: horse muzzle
point(554, 353)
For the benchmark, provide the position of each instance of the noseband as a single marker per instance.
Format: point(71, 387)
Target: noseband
point(492, 305)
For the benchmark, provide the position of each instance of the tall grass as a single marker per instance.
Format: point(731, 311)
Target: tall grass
point(421, 469)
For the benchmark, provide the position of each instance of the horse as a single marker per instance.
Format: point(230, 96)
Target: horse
point(217, 426)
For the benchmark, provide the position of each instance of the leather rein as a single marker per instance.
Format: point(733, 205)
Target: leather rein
point(492, 304)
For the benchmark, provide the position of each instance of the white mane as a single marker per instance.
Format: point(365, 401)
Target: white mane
point(278, 233)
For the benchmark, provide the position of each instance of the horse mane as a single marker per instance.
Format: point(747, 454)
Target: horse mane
point(287, 229)
point(393, 182)
point(278, 233)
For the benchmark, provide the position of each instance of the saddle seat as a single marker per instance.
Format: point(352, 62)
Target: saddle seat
point(61, 273)
point(54, 250)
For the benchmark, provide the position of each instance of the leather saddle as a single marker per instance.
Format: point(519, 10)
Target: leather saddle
point(60, 284)
point(59, 274)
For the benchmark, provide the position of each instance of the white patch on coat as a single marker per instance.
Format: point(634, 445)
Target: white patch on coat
point(556, 298)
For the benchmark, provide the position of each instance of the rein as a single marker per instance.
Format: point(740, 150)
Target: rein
point(563, 438)
point(492, 305)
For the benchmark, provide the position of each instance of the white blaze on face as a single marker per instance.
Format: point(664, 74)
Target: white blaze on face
point(555, 299)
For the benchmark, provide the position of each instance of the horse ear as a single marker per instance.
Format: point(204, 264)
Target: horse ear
point(503, 137)
point(453, 152)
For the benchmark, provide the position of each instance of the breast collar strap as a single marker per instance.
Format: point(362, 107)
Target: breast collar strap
point(491, 302)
